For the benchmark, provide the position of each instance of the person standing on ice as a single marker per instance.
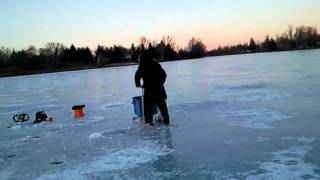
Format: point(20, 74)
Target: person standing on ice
point(154, 77)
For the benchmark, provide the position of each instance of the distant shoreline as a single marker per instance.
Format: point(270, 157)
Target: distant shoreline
point(5, 72)
point(53, 70)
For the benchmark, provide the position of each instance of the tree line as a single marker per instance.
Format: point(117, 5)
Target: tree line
point(301, 37)
point(58, 56)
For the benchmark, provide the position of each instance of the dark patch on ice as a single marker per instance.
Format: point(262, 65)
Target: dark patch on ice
point(317, 171)
point(308, 176)
point(199, 105)
point(290, 162)
point(11, 156)
point(56, 162)
point(276, 161)
point(56, 129)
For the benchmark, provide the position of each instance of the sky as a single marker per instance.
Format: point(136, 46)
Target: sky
point(122, 22)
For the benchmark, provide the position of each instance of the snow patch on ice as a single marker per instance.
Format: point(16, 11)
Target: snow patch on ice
point(287, 164)
point(94, 136)
point(97, 117)
point(118, 131)
point(229, 142)
point(106, 106)
point(50, 107)
point(255, 119)
point(16, 127)
point(302, 139)
point(262, 139)
point(124, 159)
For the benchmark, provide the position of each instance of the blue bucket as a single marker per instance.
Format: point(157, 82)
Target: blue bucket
point(137, 106)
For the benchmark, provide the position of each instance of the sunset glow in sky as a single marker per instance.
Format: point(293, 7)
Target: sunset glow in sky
point(108, 22)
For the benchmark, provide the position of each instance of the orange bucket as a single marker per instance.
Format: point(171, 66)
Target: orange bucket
point(78, 111)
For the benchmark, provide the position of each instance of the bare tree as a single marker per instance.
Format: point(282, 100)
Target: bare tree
point(32, 50)
point(52, 49)
point(168, 40)
point(5, 54)
point(143, 42)
point(196, 48)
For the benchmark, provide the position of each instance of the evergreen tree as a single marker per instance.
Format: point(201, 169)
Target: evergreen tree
point(273, 45)
point(252, 45)
point(266, 44)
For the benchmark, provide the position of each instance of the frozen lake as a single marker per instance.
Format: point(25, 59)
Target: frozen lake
point(239, 117)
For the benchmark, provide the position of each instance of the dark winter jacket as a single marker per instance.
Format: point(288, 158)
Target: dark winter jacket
point(154, 77)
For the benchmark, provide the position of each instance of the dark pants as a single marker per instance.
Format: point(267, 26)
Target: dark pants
point(161, 103)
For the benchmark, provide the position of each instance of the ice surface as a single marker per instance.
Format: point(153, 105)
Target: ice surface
point(252, 116)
